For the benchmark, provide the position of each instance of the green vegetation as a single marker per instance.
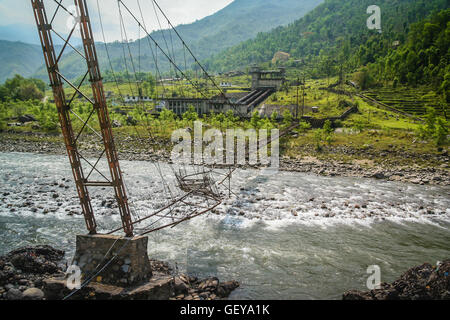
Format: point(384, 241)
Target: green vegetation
point(435, 128)
point(423, 59)
point(330, 36)
point(239, 21)
point(19, 88)
point(405, 68)
point(19, 58)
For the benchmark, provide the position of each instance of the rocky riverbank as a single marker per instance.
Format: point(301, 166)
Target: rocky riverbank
point(392, 165)
point(31, 274)
point(425, 282)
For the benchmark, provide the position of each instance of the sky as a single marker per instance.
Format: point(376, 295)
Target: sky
point(178, 11)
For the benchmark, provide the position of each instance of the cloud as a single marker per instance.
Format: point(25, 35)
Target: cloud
point(178, 11)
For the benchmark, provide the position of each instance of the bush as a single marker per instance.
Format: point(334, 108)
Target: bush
point(287, 118)
point(254, 121)
point(190, 115)
point(435, 128)
point(441, 132)
point(318, 139)
point(327, 132)
point(303, 126)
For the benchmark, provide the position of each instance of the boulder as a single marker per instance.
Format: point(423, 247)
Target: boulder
point(33, 294)
point(225, 289)
point(14, 294)
point(116, 124)
point(26, 118)
point(37, 260)
point(180, 286)
point(423, 282)
point(379, 175)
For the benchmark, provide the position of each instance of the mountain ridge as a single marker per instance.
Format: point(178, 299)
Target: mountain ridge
point(240, 20)
point(321, 28)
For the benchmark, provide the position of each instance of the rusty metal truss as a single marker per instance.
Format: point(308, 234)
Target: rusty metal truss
point(99, 106)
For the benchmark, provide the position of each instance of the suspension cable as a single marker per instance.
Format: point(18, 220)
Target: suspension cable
point(189, 50)
point(165, 54)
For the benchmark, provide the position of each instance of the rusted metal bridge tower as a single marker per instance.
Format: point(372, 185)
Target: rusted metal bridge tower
point(99, 106)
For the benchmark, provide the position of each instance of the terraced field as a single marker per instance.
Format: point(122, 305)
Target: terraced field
point(410, 100)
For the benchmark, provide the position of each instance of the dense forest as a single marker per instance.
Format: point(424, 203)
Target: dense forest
point(423, 59)
point(20, 88)
point(334, 36)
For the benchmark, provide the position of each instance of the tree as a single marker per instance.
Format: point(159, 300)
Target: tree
point(328, 131)
point(287, 118)
point(441, 132)
point(435, 128)
point(167, 115)
point(190, 115)
point(254, 121)
point(363, 78)
point(274, 117)
point(19, 88)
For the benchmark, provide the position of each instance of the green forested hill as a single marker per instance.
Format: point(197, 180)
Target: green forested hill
point(19, 58)
point(336, 26)
point(239, 21)
point(424, 58)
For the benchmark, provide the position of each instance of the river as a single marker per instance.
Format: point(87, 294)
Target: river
point(283, 236)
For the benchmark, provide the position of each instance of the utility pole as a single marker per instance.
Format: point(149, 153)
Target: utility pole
point(303, 105)
point(296, 109)
point(99, 106)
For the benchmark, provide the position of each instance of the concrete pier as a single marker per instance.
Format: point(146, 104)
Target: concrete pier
point(130, 265)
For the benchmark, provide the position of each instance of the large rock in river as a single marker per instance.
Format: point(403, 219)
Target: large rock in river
point(423, 282)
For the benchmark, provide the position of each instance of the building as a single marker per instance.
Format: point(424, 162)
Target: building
point(136, 99)
point(267, 79)
point(226, 84)
point(204, 106)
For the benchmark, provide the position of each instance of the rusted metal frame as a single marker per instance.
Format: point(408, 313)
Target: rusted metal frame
point(103, 116)
point(98, 184)
point(56, 11)
point(87, 124)
point(95, 165)
point(45, 37)
point(79, 86)
point(64, 8)
point(75, 88)
point(84, 125)
point(92, 166)
point(65, 43)
point(75, 49)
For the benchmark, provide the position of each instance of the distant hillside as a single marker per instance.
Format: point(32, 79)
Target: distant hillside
point(239, 21)
point(321, 30)
point(19, 32)
point(19, 58)
point(27, 33)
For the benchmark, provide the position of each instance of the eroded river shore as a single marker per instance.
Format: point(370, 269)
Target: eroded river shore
point(391, 165)
point(27, 273)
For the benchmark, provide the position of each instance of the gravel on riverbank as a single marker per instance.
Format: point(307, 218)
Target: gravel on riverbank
point(135, 149)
